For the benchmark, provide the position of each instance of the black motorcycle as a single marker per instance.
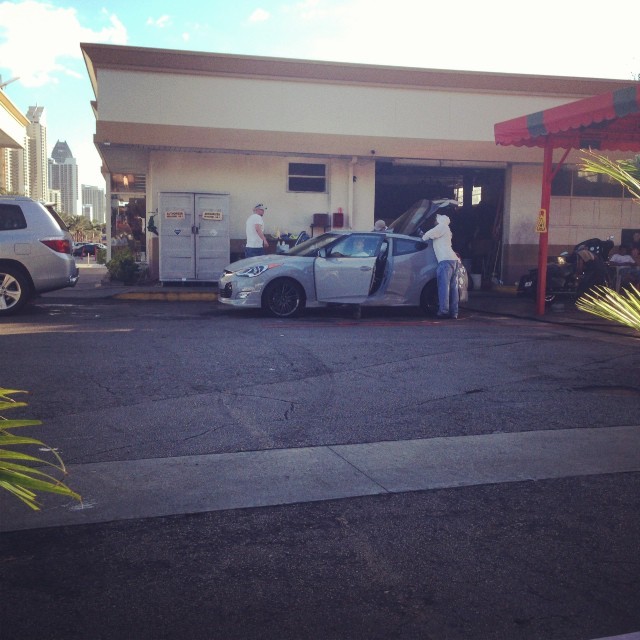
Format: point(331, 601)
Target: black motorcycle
point(562, 278)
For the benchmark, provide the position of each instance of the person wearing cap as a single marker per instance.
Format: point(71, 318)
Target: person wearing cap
point(379, 226)
point(256, 240)
point(447, 270)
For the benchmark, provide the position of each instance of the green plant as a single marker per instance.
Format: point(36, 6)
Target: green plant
point(123, 267)
point(623, 308)
point(624, 172)
point(20, 479)
point(101, 256)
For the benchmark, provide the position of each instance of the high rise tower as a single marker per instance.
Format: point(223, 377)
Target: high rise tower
point(63, 175)
point(94, 197)
point(37, 153)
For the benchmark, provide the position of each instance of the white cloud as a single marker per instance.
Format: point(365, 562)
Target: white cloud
point(259, 15)
point(161, 22)
point(53, 45)
point(558, 39)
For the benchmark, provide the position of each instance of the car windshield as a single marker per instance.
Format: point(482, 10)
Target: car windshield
point(310, 247)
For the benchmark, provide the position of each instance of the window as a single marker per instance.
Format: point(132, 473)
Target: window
point(572, 182)
point(403, 247)
point(11, 217)
point(307, 177)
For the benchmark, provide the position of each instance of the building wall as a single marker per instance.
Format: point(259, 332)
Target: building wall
point(232, 123)
point(304, 117)
point(571, 220)
point(250, 179)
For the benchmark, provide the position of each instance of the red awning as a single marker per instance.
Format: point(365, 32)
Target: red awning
point(609, 121)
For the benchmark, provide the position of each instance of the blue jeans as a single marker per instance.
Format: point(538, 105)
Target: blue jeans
point(250, 252)
point(447, 274)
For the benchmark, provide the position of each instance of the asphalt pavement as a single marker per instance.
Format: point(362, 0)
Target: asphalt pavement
point(499, 300)
point(472, 537)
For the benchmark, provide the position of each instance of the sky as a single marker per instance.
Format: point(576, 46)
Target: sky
point(40, 43)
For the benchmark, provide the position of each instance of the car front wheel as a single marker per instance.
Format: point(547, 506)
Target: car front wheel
point(14, 290)
point(283, 298)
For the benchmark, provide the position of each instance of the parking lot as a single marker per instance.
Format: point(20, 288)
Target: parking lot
point(391, 476)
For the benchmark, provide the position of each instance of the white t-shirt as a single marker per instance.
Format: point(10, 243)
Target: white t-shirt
point(254, 241)
point(618, 258)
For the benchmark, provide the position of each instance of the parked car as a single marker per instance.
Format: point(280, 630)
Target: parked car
point(87, 248)
point(392, 268)
point(35, 252)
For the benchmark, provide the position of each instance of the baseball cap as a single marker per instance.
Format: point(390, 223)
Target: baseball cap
point(260, 206)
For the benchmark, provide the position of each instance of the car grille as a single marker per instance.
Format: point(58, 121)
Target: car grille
point(227, 291)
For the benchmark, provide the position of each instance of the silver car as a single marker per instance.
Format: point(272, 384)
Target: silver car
point(35, 252)
point(361, 268)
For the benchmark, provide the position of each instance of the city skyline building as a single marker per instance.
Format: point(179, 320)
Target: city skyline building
point(63, 175)
point(14, 168)
point(95, 197)
point(37, 179)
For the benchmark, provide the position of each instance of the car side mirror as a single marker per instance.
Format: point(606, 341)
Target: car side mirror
point(322, 253)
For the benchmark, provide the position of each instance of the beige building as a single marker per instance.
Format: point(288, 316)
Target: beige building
point(309, 138)
point(13, 126)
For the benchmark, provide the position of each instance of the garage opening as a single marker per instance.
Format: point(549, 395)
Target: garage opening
point(476, 226)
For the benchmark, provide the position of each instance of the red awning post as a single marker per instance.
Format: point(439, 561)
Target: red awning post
point(543, 247)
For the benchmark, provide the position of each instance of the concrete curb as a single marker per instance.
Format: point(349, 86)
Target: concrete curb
point(168, 296)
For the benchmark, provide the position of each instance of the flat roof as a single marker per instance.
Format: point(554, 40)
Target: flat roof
point(146, 59)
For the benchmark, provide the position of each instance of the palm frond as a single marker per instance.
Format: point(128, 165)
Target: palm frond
point(625, 172)
point(622, 308)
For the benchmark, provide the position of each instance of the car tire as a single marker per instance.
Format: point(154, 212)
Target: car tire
point(283, 298)
point(15, 290)
point(429, 298)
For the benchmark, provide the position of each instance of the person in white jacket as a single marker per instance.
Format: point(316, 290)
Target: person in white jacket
point(447, 271)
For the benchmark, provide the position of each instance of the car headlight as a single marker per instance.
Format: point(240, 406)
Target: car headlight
point(256, 270)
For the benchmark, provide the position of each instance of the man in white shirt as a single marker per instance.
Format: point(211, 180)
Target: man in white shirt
point(256, 240)
point(621, 257)
point(447, 271)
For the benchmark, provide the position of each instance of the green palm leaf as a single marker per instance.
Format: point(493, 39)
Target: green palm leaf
point(21, 480)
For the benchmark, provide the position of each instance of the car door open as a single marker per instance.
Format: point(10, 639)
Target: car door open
point(344, 273)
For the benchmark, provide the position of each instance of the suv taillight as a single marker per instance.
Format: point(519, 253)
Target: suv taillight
point(60, 246)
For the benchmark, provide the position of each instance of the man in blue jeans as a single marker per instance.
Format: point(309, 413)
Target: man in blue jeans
point(447, 271)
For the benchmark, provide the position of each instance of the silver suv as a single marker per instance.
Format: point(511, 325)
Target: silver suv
point(35, 252)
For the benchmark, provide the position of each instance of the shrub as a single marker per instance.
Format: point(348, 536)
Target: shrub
point(123, 267)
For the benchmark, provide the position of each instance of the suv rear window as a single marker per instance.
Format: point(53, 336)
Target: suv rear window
point(50, 208)
point(11, 217)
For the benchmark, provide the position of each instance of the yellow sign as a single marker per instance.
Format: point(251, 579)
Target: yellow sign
point(212, 215)
point(541, 225)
